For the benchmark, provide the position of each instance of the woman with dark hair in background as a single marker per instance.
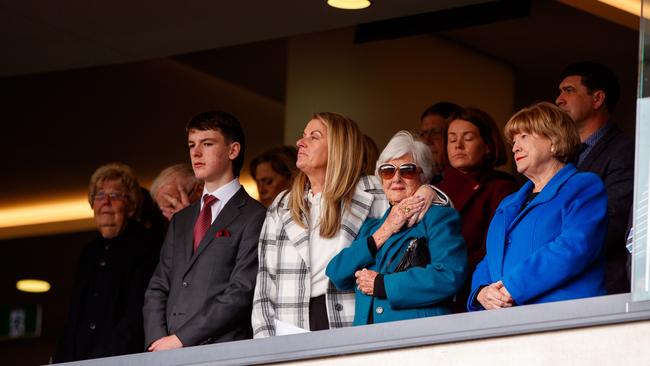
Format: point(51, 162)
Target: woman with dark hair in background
point(273, 171)
point(474, 148)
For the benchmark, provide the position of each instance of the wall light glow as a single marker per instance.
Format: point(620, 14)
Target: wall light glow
point(630, 6)
point(249, 185)
point(54, 211)
point(349, 4)
point(33, 285)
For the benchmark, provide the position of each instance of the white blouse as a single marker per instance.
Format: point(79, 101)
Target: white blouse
point(321, 250)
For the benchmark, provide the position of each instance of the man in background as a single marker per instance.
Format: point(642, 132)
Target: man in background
point(433, 128)
point(589, 92)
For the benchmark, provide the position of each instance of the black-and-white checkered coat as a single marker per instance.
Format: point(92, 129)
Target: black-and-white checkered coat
point(283, 286)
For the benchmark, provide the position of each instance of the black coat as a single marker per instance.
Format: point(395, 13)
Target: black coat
point(612, 158)
point(105, 317)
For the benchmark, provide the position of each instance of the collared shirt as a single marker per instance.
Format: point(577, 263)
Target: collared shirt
point(223, 194)
point(321, 250)
point(591, 141)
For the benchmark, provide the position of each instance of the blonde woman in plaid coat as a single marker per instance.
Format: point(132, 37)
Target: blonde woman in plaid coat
point(308, 225)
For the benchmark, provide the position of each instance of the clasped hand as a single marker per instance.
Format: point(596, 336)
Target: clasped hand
point(165, 343)
point(366, 281)
point(495, 296)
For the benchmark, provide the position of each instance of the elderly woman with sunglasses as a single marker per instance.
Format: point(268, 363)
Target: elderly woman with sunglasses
point(402, 272)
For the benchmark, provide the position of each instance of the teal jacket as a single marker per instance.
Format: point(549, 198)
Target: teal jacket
point(416, 292)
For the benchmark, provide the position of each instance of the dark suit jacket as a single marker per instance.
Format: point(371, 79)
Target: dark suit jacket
point(105, 317)
point(612, 158)
point(206, 297)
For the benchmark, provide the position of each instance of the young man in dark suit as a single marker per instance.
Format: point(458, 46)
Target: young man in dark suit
point(202, 289)
point(589, 92)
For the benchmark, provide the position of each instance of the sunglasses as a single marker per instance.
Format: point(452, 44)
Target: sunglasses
point(406, 171)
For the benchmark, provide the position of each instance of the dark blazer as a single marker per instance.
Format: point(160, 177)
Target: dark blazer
point(551, 249)
point(105, 317)
point(206, 297)
point(476, 197)
point(612, 158)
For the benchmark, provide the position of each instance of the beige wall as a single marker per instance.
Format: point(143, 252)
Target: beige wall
point(385, 85)
point(619, 344)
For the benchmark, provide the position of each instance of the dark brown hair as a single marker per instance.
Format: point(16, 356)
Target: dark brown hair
point(490, 133)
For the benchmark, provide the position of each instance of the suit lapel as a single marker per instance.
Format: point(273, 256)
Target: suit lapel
point(297, 235)
point(227, 215)
point(188, 235)
point(601, 145)
point(353, 217)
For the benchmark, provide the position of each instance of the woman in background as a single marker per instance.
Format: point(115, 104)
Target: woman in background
point(273, 171)
point(474, 148)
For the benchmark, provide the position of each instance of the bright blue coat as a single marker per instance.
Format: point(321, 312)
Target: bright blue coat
point(551, 250)
point(416, 292)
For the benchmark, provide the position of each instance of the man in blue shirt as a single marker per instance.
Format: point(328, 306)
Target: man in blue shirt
point(589, 92)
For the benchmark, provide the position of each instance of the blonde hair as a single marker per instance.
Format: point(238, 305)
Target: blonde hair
point(345, 150)
point(126, 176)
point(547, 120)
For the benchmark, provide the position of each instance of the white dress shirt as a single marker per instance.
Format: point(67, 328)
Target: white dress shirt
point(223, 194)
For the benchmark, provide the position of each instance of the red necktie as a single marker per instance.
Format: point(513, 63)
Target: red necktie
point(204, 221)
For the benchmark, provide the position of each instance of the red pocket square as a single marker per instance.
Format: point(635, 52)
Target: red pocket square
point(221, 233)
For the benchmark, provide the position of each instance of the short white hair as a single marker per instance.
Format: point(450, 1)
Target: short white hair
point(183, 173)
point(403, 143)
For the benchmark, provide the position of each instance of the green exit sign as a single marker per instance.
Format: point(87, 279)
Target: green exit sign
point(20, 322)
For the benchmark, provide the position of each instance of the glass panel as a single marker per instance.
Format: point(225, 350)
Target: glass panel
point(641, 239)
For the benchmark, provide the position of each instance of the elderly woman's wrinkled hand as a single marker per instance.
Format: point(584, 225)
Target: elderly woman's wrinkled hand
point(399, 214)
point(429, 195)
point(174, 204)
point(366, 281)
point(495, 296)
point(405, 210)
